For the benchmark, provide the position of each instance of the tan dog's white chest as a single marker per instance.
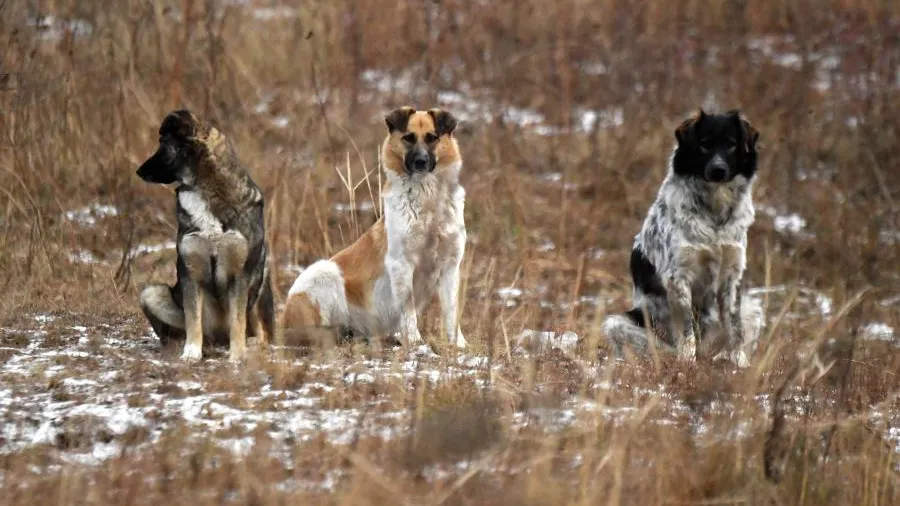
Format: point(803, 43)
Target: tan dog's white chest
point(426, 231)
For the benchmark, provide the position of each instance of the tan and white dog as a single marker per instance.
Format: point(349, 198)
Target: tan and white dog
point(376, 286)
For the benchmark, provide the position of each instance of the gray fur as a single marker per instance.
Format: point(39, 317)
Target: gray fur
point(223, 289)
point(695, 236)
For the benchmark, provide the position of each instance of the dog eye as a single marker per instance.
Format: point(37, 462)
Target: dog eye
point(410, 138)
point(430, 138)
point(704, 145)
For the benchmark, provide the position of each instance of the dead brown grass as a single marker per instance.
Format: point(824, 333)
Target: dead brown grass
point(301, 88)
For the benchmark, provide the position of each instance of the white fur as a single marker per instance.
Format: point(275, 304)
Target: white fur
point(193, 351)
point(323, 283)
point(419, 209)
point(676, 232)
point(196, 206)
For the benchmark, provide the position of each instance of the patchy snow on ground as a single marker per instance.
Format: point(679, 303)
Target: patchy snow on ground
point(364, 206)
point(87, 392)
point(877, 331)
point(89, 215)
point(73, 392)
point(542, 341)
point(52, 28)
point(807, 301)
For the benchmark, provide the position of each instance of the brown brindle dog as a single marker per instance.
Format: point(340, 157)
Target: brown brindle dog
point(223, 286)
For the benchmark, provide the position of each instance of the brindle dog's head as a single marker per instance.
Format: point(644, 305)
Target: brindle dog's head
point(716, 147)
point(419, 141)
point(184, 141)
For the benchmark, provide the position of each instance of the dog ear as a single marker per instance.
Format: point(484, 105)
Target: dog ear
point(444, 122)
point(686, 129)
point(397, 120)
point(181, 123)
point(750, 135)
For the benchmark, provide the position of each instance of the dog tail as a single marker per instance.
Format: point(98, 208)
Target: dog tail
point(627, 330)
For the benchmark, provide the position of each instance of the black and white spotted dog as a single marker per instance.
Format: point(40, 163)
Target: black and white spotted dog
point(688, 260)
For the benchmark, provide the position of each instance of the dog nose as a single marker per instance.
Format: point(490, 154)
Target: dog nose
point(420, 162)
point(717, 171)
point(717, 174)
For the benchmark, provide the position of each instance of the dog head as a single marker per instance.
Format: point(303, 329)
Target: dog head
point(716, 147)
point(184, 142)
point(419, 142)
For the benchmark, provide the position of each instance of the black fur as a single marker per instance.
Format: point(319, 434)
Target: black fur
point(398, 119)
point(207, 169)
point(644, 275)
point(444, 122)
point(703, 137)
point(637, 316)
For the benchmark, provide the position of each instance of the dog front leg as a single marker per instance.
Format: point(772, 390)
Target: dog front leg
point(195, 252)
point(729, 298)
point(230, 277)
point(401, 274)
point(682, 321)
point(448, 294)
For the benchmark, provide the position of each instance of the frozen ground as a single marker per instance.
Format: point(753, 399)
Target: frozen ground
point(86, 391)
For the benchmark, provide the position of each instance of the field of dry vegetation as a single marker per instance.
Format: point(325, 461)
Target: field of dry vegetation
point(568, 109)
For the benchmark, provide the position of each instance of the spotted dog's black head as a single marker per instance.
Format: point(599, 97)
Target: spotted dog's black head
point(715, 147)
point(183, 140)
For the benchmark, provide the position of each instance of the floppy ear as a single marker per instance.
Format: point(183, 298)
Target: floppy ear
point(444, 122)
point(685, 130)
point(749, 135)
point(398, 118)
point(180, 123)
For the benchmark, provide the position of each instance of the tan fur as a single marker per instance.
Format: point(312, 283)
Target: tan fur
point(301, 324)
point(732, 255)
point(688, 123)
point(420, 123)
point(300, 311)
point(723, 198)
point(428, 218)
point(256, 328)
point(214, 189)
point(362, 263)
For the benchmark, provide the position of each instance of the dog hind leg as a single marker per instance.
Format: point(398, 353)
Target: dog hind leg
point(316, 310)
point(262, 314)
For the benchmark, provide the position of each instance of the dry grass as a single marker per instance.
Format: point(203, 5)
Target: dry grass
point(570, 107)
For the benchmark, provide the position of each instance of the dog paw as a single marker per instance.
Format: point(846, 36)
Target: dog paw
point(739, 358)
point(688, 350)
point(413, 339)
point(237, 356)
point(191, 353)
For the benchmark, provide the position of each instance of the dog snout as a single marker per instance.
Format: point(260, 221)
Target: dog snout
point(420, 162)
point(717, 170)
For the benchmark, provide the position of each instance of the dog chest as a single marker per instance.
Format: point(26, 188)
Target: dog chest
point(195, 209)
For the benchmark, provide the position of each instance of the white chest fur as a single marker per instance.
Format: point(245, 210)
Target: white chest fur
point(425, 228)
point(198, 209)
